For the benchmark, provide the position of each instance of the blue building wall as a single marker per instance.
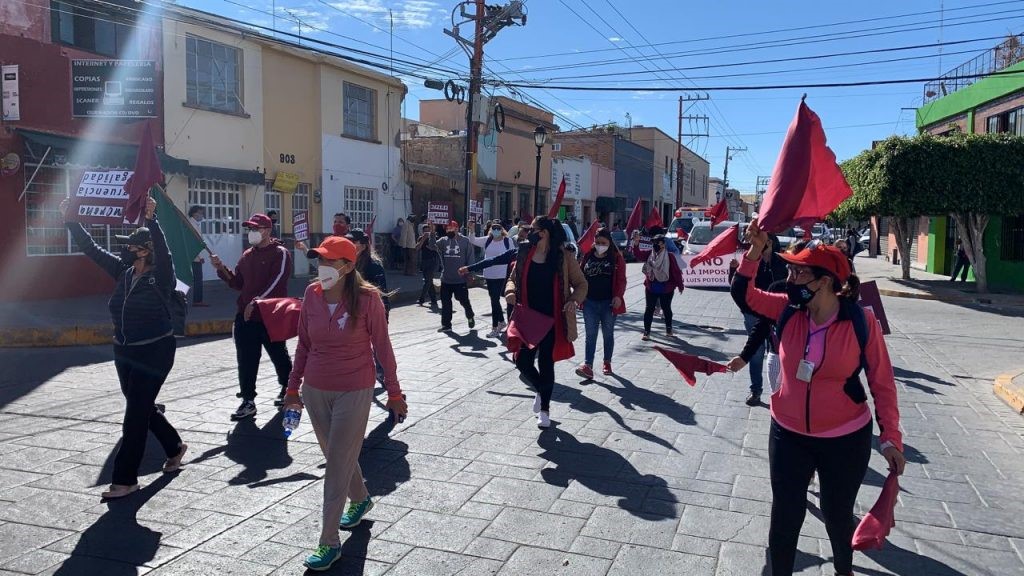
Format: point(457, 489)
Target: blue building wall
point(634, 179)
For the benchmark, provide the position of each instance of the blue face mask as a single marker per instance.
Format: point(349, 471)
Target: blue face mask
point(496, 234)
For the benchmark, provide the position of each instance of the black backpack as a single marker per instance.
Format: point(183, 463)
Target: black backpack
point(176, 305)
point(851, 311)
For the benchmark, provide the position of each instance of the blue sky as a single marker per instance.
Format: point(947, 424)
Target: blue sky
point(599, 42)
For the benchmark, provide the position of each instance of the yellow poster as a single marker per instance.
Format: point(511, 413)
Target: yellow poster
point(286, 182)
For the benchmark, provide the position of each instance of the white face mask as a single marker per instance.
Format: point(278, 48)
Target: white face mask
point(328, 276)
point(255, 237)
point(600, 248)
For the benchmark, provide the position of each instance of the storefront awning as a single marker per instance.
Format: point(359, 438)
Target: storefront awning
point(226, 174)
point(78, 152)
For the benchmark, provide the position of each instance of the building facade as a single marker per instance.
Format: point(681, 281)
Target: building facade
point(677, 181)
point(579, 191)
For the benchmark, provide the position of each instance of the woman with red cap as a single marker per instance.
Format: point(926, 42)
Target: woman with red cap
point(342, 327)
point(820, 418)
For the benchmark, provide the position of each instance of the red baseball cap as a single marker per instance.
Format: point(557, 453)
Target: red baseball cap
point(334, 248)
point(453, 224)
point(827, 258)
point(259, 221)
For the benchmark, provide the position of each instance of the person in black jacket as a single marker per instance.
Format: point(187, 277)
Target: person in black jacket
point(771, 269)
point(144, 343)
point(369, 265)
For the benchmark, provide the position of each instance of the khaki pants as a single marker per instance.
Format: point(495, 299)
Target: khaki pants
point(339, 421)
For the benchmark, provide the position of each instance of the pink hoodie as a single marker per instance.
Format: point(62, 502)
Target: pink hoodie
point(336, 351)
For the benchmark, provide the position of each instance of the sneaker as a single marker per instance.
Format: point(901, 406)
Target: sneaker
point(669, 333)
point(471, 322)
point(646, 336)
point(494, 333)
point(543, 419)
point(536, 403)
point(173, 464)
point(322, 558)
point(502, 327)
point(246, 409)
point(585, 371)
point(445, 329)
point(355, 512)
point(754, 399)
point(607, 369)
point(119, 491)
point(279, 401)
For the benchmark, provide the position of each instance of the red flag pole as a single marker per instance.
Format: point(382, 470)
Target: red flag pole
point(553, 211)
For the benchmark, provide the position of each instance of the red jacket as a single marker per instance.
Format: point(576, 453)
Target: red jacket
point(822, 405)
point(618, 281)
point(260, 273)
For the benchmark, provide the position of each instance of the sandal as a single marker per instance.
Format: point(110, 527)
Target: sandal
point(119, 491)
point(173, 464)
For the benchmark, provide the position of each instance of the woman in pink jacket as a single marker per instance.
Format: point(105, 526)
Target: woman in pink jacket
point(343, 325)
point(820, 418)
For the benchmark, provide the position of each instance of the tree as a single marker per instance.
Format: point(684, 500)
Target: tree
point(968, 176)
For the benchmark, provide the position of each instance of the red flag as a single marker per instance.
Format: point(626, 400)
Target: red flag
point(655, 219)
point(281, 317)
point(369, 229)
point(146, 175)
point(806, 184)
point(688, 365)
point(587, 240)
point(634, 221)
point(726, 243)
point(553, 211)
point(875, 526)
point(718, 212)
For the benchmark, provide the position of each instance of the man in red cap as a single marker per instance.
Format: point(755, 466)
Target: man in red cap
point(262, 272)
point(456, 252)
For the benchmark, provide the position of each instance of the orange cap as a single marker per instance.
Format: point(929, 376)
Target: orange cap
point(334, 248)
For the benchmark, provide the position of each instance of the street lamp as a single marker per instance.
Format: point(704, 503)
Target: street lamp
point(540, 136)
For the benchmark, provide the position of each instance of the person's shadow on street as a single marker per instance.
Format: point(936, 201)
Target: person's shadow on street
point(384, 460)
point(578, 401)
point(606, 472)
point(115, 544)
point(471, 345)
point(258, 450)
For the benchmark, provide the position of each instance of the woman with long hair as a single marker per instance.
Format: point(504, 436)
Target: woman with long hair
point(820, 418)
point(605, 271)
point(495, 243)
point(342, 327)
point(369, 264)
point(546, 287)
point(662, 277)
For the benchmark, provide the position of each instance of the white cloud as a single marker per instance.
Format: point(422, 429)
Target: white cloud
point(615, 39)
point(414, 14)
point(302, 20)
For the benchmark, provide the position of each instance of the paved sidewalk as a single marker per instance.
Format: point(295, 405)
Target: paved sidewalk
point(641, 474)
point(927, 286)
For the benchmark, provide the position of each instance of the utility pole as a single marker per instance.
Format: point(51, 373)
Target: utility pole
point(728, 156)
point(487, 21)
point(679, 141)
point(759, 190)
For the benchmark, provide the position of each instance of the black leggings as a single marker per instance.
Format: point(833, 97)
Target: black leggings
point(543, 376)
point(495, 289)
point(666, 308)
point(841, 464)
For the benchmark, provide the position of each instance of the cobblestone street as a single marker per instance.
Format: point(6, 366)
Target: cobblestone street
point(640, 474)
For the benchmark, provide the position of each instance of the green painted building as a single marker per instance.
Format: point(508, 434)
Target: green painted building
point(976, 106)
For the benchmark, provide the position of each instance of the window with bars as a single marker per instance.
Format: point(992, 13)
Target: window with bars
point(213, 73)
point(45, 234)
point(271, 198)
point(91, 28)
point(1012, 245)
point(222, 202)
point(359, 204)
point(359, 112)
point(300, 199)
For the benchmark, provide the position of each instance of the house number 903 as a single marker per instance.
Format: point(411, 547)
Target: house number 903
point(287, 158)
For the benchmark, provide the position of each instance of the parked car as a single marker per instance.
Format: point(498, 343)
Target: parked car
point(702, 234)
point(622, 242)
point(683, 223)
point(571, 238)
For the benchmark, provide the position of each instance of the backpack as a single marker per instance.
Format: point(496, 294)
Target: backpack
point(176, 306)
point(852, 311)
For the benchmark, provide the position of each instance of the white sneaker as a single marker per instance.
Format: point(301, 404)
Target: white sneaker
point(536, 403)
point(494, 333)
point(502, 327)
point(543, 419)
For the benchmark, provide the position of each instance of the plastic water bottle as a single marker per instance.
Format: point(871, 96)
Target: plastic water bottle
point(292, 417)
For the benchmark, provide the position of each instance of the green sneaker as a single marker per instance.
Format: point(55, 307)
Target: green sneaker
point(472, 323)
point(323, 558)
point(355, 512)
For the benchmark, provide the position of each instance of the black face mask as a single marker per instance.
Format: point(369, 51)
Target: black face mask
point(799, 295)
point(450, 234)
point(533, 237)
point(127, 256)
point(659, 247)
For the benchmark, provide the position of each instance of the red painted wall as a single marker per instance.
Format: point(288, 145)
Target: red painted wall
point(45, 101)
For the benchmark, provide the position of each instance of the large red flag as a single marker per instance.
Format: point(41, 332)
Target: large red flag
point(806, 184)
point(587, 240)
point(875, 526)
point(553, 211)
point(688, 365)
point(726, 243)
point(147, 174)
point(655, 219)
point(281, 317)
point(635, 220)
point(718, 212)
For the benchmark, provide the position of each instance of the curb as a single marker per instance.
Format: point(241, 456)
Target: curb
point(99, 334)
point(913, 295)
point(1010, 391)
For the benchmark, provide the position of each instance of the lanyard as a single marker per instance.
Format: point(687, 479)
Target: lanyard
point(807, 348)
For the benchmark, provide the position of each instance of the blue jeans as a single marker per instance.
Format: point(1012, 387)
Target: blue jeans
point(756, 365)
point(598, 314)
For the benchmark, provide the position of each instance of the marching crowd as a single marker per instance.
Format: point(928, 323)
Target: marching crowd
point(799, 307)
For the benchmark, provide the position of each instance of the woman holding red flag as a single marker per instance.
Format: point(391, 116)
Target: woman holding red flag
point(605, 271)
point(546, 288)
point(820, 418)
